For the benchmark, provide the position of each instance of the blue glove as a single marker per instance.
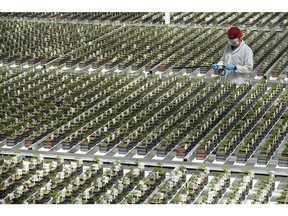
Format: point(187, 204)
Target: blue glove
point(230, 67)
point(215, 66)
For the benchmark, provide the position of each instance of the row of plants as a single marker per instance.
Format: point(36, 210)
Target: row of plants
point(77, 122)
point(252, 141)
point(66, 187)
point(205, 18)
point(192, 188)
point(33, 42)
point(243, 128)
point(200, 56)
point(141, 118)
point(42, 180)
point(194, 115)
point(11, 174)
point(29, 95)
point(273, 141)
point(28, 178)
point(117, 108)
point(263, 190)
point(144, 119)
point(93, 188)
point(175, 116)
point(66, 87)
point(147, 122)
point(206, 124)
point(96, 115)
point(229, 120)
point(193, 40)
point(109, 132)
point(132, 120)
point(100, 52)
point(240, 190)
point(7, 73)
point(217, 187)
point(142, 47)
point(283, 160)
point(166, 191)
point(145, 187)
point(123, 186)
point(53, 180)
point(283, 198)
point(265, 59)
point(268, 20)
point(280, 67)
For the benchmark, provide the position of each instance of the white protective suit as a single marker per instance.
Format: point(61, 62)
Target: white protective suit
point(242, 57)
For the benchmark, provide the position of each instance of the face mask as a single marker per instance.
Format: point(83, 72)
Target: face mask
point(233, 42)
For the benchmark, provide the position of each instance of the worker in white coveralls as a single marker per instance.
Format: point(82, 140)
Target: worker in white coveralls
point(237, 60)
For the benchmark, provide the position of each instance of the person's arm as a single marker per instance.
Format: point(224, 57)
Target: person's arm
point(248, 67)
